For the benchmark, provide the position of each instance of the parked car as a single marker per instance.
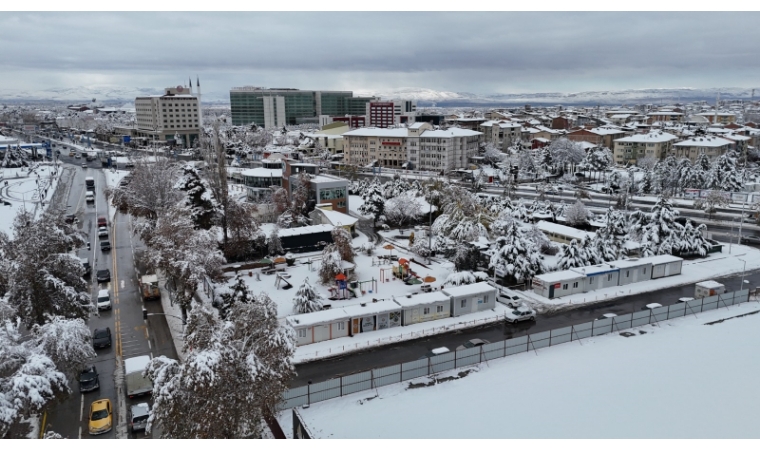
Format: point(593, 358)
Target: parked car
point(520, 314)
point(104, 276)
point(138, 417)
point(513, 301)
point(84, 165)
point(103, 232)
point(101, 337)
point(606, 316)
point(70, 218)
point(473, 343)
point(751, 239)
point(105, 246)
point(102, 221)
point(89, 380)
point(101, 416)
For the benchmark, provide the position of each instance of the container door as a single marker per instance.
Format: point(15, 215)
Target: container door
point(551, 291)
point(415, 315)
point(355, 329)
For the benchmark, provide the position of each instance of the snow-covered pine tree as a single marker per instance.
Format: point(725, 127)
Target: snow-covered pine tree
point(332, 264)
point(307, 299)
point(516, 256)
point(723, 176)
point(685, 175)
point(589, 249)
point(374, 202)
point(571, 256)
point(237, 368)
point(199, 199)
point(229, 296)
point(460, 278)
point(659, 236)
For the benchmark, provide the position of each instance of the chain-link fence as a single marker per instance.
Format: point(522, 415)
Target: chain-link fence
point(374, 378)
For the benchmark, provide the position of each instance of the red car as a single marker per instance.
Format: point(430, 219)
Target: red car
point(102, 222)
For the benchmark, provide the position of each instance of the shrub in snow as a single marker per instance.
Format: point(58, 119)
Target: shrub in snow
point(460, 278)
point(307, 299)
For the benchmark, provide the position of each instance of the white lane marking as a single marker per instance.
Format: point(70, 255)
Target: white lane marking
point(80, 432)
point(81, 408)
point(122, 284)
point(149, 346)
point(151, 355)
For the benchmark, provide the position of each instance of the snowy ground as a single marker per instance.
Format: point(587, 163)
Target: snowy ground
point(23, 190)
point(692, 271)
point(113, 177)
point(680, 379)
point(354, 203)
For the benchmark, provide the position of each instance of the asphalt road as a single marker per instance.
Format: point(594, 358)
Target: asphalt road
point(131, 334)
point(411, 350)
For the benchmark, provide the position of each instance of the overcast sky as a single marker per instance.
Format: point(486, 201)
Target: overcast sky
point(481, 53)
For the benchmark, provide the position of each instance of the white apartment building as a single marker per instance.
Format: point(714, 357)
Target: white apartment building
point(656, 144)
point(175, 115)
point(417, 147)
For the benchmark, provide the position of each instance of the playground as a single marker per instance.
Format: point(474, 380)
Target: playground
point(387, 273)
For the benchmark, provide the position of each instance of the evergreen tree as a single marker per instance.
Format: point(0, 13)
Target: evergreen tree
point(237, 293)
point(307, 299)
point(374, 202)
point(723, 175)
point(659, 235)
point(200, 201)
point(516, 257)
point(572, 255)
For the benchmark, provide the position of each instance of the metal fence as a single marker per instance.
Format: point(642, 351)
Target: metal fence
point(375, 378)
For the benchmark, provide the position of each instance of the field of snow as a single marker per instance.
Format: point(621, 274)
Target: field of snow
point(22, 188)
point(693, 377)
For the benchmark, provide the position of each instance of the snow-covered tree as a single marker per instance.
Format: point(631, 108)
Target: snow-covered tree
point(402, 210)
point(711, 202)
point(307, 299)
point(332, 264)
point(599, 159)
point(686, 176)
point(576, 214)
point(67, 342)
point(243, 229)
point(572, 255)
point(516, 257)
point(691, 240)
point(236, 369)
point(658, 231)
point(374, 202)
point(199, 198)
point(460, 278)
point(43, 279)
point(566, 153)
point(723, 175)
point(492, 154)
point(467, 258)
point(526, 164)
point(342, 241)
point(274, 243)
point(232, 295)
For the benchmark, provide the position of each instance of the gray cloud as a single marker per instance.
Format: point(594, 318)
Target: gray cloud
point(472, 52)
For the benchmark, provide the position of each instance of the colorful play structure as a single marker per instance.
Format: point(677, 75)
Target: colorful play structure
point(345, 289)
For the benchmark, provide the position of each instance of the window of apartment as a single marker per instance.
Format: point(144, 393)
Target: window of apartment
point(302, 333)
point(575, 285)
point(341, 326)
point(564, 286)
point(627, 273)
point(439, 309)
point(609, 277)
point(426, 311)
point(463, 303)
point(644, 270)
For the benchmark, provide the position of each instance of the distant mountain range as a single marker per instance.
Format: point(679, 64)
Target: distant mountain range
point(424, 97)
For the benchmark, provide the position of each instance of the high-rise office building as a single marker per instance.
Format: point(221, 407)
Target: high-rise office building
point(280, 107)
point(175, 115)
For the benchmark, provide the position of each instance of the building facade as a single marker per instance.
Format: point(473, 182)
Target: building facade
point(391, 113)
point(174, 116)
point(632, 148)
point(712, 146)
point(280, 107)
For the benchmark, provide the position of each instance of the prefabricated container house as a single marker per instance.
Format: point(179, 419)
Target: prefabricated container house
point(633, 270)
point(599, 276)
point(664, 265)
point(320, 326)
point(424, 307)
point(708, 289)
point(374, 316)
point(471, 298)
point(305, 239)
point(558, 284)
point(561, 233)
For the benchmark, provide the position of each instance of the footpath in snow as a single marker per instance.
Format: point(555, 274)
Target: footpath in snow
point(27, 188)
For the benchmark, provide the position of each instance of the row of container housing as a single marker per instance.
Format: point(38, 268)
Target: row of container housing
point(615, 273)
point(352, 320)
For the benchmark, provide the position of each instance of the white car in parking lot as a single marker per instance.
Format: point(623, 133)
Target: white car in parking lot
point(520, 314)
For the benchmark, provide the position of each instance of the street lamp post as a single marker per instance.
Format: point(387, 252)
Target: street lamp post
point(744, 269)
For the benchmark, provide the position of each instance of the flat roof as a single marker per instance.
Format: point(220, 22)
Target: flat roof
point(469, 289)
point(371, 308)
point(561, 275)
point(318, 318)
point(422, 299)
point(563, 230)
point(710, 284)
point(661, 259)
point(337, 217)
point(262, 173)
point(595, 269)
point(626, 263)
point(304, 230)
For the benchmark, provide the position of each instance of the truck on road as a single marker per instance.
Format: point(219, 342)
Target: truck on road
point(136, 383)
point(90, 183)
point(149, 286)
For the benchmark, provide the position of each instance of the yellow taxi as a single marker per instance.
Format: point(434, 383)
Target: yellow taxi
point(101, 416)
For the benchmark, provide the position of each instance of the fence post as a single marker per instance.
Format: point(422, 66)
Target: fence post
point(341, 386)
point(372, 374)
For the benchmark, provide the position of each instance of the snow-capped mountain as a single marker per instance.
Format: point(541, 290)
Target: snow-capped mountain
point(424, 97)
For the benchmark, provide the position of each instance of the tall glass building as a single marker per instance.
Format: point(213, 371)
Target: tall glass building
point(280, 107)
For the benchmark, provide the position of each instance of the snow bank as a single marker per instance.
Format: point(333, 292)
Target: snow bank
point(655, 384)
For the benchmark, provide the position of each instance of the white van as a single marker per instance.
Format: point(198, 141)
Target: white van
point(104, 299)
point(89, 197)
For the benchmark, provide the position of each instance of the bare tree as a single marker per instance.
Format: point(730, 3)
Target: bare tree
point(576, 214)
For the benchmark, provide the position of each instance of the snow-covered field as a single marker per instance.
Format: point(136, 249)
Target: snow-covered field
point(680, 379)
point(22, 190)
